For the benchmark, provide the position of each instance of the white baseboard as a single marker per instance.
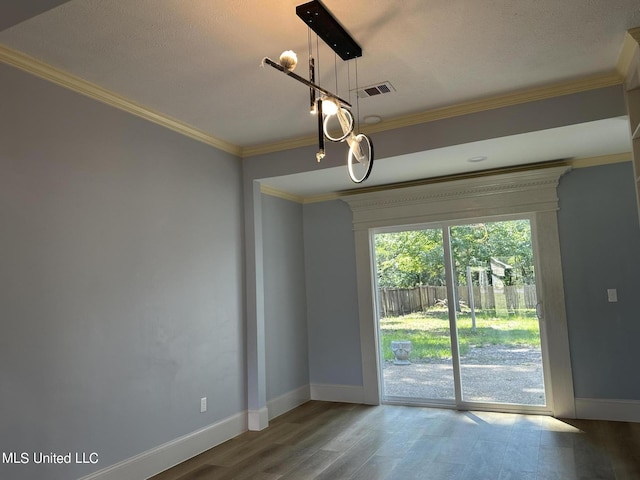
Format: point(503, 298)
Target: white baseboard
point(172, 453)
point(606, 409)
point(165, 456)
point(288, 401)
point(258, 419)
point(337, 393)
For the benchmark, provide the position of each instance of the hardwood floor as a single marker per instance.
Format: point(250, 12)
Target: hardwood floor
point(333, 441)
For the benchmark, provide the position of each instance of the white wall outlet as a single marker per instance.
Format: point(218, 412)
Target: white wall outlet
point(612, 295)
point(203, 404)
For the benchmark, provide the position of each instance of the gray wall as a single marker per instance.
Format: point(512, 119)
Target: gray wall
point(600, 246)
point(333, 328)
point(13, 12)
point(285, 305)
point(120, 280)
point(332, 298)
point(600, 239)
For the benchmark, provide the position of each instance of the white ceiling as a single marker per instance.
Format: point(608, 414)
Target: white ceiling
point(198, 61)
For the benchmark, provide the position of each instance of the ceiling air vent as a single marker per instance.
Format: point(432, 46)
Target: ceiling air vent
point(374, 90)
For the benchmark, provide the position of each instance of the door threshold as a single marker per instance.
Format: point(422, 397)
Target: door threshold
point(469, 406)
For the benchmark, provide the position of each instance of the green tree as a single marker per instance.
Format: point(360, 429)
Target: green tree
point(410, 258)
point(416, 257)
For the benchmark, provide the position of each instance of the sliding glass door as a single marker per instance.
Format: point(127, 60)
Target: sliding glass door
point(413, 313)
point(457, 315)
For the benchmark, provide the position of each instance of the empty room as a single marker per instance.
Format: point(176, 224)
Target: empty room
point(333, 240)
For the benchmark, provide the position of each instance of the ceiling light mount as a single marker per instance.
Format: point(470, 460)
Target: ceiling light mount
point(320, 20)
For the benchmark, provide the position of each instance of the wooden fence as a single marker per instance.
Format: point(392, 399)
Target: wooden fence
point(402, 301)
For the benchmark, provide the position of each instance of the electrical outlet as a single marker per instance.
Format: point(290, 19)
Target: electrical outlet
point(203, 404)
point(612, 294)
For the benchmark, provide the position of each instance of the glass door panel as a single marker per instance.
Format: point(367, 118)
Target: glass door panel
point(414, 333)
point(495, 308)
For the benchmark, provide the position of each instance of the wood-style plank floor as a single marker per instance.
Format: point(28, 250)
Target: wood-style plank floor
point(333, 441)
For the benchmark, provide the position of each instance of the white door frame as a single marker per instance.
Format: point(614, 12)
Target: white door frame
point(532, 192)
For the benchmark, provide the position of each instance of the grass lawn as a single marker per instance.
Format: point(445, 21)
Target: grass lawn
point(429, 332)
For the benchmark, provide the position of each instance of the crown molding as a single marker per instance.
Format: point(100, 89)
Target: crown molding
point(490, 103)
point(278, 146)
point(516, 181)
point(518, 169)
point(36, 67)
point(628, 51)
point(274, 192)
point(600, 160)
point(501, 194)
point(501, 101)
point(66, 80)
point(327, 197)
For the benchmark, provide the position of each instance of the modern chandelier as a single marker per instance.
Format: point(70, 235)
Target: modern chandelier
point(323, 103)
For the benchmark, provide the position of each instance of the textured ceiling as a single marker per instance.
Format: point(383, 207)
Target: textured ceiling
point(198, 61)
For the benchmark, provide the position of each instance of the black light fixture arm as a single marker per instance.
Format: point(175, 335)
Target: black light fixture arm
point(312, 79)
point(320, 153)
point(306, 82)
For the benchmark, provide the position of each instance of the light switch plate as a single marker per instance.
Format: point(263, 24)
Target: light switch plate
point(612, 294)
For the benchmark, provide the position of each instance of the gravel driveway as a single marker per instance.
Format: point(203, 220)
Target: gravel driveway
point(496, 373)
